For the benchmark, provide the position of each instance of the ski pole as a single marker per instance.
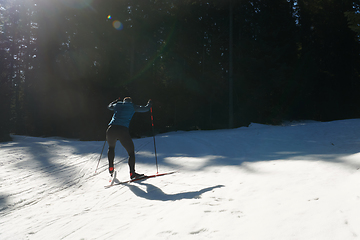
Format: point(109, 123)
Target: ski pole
point(152, 125)
point(100, 156)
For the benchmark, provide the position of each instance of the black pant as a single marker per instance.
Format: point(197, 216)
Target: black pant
point(121, 133)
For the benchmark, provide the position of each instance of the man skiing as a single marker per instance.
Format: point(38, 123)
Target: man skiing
point(119, 130)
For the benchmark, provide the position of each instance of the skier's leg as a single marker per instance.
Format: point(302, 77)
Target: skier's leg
point(111, 139)
point(128, 144)
point(131, 162)
point(111, 156)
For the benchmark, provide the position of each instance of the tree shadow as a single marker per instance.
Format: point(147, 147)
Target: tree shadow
point(154, 193)
point(331, 142)
point(57, 163)
point(3, 203)
point(195, 150)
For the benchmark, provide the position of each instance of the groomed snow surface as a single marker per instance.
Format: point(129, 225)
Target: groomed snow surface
point(297, 181)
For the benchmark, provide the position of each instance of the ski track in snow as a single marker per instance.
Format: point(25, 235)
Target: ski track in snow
point(296, 181)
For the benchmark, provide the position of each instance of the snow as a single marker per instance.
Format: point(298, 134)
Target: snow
point(296, 181)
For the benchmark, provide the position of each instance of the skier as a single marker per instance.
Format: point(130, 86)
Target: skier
point(119, 130)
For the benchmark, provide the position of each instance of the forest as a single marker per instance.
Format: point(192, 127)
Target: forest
point(206, 64)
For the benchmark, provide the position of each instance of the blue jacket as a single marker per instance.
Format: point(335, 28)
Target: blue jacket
point(124, 111)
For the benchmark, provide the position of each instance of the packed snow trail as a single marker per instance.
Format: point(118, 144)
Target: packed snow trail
point(296, 181)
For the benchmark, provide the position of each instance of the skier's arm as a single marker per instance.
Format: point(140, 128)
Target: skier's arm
point(112, 105)
point(146, 108)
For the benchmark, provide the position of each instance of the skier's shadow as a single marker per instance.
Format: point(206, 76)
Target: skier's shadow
point(154, 193)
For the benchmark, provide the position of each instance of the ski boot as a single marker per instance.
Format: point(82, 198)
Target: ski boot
point(136, 175)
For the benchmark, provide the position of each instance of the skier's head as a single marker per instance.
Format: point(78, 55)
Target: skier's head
point(127, 99)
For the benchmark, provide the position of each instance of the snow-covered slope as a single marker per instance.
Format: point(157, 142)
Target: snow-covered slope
point(297, 181)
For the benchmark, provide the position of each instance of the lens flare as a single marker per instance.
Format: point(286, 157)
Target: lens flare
point(109, 17)
point(118, 25)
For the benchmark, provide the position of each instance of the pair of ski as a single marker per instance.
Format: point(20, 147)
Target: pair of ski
point(113, 183)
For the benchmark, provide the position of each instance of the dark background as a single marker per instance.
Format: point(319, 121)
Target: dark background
point(63, 62)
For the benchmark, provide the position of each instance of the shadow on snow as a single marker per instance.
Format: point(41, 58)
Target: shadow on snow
point(154, 193)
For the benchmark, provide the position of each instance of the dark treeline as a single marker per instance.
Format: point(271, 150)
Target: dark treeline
point(63, 61)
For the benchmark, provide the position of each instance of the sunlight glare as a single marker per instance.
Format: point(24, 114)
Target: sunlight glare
point(78, 4)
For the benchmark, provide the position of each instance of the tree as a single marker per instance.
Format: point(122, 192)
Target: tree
point(329, 45)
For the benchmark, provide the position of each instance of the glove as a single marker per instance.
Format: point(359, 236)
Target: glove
point(115, 101)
